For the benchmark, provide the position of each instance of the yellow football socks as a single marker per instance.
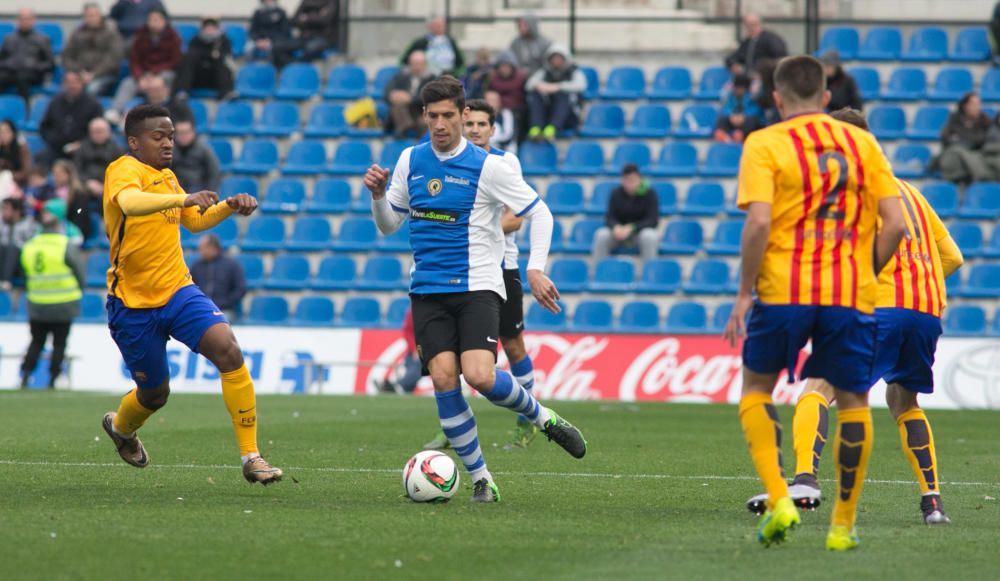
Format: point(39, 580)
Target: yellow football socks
point(762, 431)
point(131, 414)
point(237, 392)
point(809, 431)
point(852, 446)
point(918, 446)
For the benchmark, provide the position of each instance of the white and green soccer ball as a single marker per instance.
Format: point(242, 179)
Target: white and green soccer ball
point(430, 476)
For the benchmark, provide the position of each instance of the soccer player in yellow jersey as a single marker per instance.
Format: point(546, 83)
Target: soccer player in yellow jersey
point(911, 296)
point(151, 296)
point(813, 188)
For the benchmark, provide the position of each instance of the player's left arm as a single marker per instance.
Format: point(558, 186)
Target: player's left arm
point(196, 221)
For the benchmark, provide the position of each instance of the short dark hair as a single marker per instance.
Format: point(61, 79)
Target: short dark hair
point(800, 78)
point(630, 168)
point(444, 88)
point(483, 107)
point(140, 113)
point(852, 116)
point(741, 80)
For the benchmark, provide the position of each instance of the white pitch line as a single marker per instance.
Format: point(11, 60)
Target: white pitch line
point(335, 469)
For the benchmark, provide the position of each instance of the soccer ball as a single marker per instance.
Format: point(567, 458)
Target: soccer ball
point(430, 476)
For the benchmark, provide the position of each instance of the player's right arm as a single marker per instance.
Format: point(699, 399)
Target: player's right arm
point(126, 191)
point(389, 208)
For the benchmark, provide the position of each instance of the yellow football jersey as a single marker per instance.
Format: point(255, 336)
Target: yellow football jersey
point(823, 179)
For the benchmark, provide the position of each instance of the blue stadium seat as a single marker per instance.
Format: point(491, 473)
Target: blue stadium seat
point(971, 45)
point(943, 197)
point(330, 196)
point(363, 204)
point(982, 201)
point(223, 150)
point(256, 81)
point(704, 199)
point(720, 318)
point(189, 240)
point(524, 238)
point(185, 30)
point(677, 159)
point(253, 269)
point(927, 44)
point(356, 235)
point(538, 159)
point(992, 250)
point(396, 313)
point(346, 83)
point(713, 79)
point(38, 106)
point(398, 241)
point(624, 83)
point(950, 84)
point(326, 120)
point(696, 121)
point(639, 317)
point(538, 319)
point(360, 312)
point(686, 318)
point(391, 150)
point(910, 160)
point(55, 33)
point(565, 197)
point(953, 284)
point(635, 152)
point(581, 237)
point(964, 321)
point(650, 121)
point(232, 185)
point(289, 272)
point(927, 123)
point(310, 233)
point(335, 272)
point(98, 264)
point(989, 86)
point(264, 233)
point(868, 80)
point(232, 118)
point(671, 84)
point(91, 309)
point(258, 156)
point(906, 84)
point(592, 317)
point(708, 277)
point(666, 195)
point(267, 310)
point(237, 35)
point(351, 158)
point(722, 160)
point(597, 204)
point(227, 232)
point(382, 78)
point(983, 282)
point(726, 240)
point(887, 121)
point(682, 237)
point(603, 120)
point(968, 237)
point(5, 303)
point(583, 158)
point(381, 273)
point(55, 82)
point(313, 312)
point(277, 119)
point(881, 44)
point(613, 275)
point(995, 328)
point(298, 82)
point(200, 113)
point(845, 40)
point(5, 29)
point(305, 158)
point(569, 274)
point(593, 82)
point(12, 107)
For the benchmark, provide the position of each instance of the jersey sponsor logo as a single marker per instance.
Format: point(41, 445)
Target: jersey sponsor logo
point(455, 180)
point(434, 187)
point(443, 216)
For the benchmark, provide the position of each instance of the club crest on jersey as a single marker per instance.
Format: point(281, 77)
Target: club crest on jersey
point(434, 187)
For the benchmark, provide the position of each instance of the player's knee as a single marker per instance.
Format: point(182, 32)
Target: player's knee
point(444, 380)
point(480, 378)
point(155, 398)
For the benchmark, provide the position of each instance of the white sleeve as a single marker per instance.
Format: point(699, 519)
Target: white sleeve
point(515, 163)
point(503, 184)
point(390, 211)
point(541, 235)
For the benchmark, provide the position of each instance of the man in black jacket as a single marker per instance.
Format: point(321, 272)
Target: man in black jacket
point(219, 276)
point(631, 219)
point(757, 45)
point(25, 56)
point(93, 157)
point(269, 26)
point(317, 22)
point(194, 164)
point(205, 65)
point(844, 91)
point(66, 119)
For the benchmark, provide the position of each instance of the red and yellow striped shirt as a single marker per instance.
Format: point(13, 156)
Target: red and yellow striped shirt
point(823, 179)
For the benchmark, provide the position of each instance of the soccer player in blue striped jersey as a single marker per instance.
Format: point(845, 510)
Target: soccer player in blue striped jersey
point(455, 194)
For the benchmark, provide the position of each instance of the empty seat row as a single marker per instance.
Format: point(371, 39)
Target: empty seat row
point(981, 281)
point(911, 84)
point(586, 158)
point(304, 157)
point(318, 311)
point(596, 316)
point(616, 275)
point(926, 44)
point(300, 81)
point(281, 119)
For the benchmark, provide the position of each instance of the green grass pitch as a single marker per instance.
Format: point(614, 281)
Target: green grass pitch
point(660, 496)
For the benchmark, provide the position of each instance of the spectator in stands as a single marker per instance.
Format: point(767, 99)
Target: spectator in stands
point(844, 91)
point(96, 152)
point(219, 276)
point(317, 23)
point(66, 119)
point(505, 128)
point(530, 47)
point(632, 216)
point(54, 270)
point(765, 93)
point(195, 163)
point(442, 52)
point(39, 188)
point(15, 156)
point(25, 56)
point(477, 74)
point(269, 26)
point(95, 50)
point(15, 230)
point(69, 189)
point(403, 96)
point(155, 53)
point(158, 93)
point(553, 95)
point(507, 80)
point(740, 114)
point(758, 44)
point(961, 159)
point(206, 64)
point(131, 15)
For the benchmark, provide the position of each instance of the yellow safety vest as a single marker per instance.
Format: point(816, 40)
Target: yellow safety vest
point(50, 279)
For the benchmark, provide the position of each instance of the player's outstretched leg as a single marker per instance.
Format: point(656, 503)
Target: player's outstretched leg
point(121, 426)
point(917, 441)
point(524, 373)
point(852, 445)
point(459, 425)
